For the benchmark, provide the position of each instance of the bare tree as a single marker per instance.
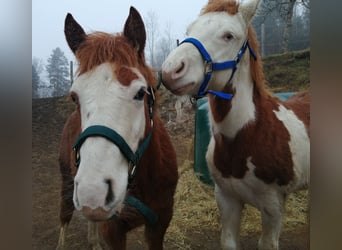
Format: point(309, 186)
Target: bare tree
point(158, 45)
point(305, 3)
point(164, 45)
point(151, 23)
point(285, 9)
point(38, 64)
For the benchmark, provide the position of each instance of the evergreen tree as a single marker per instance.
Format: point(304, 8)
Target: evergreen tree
point(58, 72)
point(35, 82)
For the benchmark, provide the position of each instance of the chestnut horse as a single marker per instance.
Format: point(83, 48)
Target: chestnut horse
point(117, 162)
point(259, 149)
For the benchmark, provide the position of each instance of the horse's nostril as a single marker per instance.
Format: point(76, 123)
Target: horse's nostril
point(180, 68)
point(110, 194)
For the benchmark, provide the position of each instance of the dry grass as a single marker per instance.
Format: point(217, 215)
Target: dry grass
point(194, 208)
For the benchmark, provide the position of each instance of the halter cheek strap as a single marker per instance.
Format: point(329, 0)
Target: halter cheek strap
point(210, 66)
point(133, 158)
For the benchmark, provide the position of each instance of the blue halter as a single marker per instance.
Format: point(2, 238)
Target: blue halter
point(210, 66)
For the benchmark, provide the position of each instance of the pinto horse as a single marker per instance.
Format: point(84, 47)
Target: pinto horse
point(117, 162)
point(259, 149)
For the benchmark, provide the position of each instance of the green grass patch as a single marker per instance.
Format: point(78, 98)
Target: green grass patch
point(288, 72)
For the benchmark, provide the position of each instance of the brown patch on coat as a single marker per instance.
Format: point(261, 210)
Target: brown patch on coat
point(265, 140)
point(125, 75)
point(219, 106)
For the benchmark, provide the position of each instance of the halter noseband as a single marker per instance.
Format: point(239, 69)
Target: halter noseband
point(114, 137)
point(210, 66)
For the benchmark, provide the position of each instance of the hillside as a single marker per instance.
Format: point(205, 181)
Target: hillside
point(288, 72)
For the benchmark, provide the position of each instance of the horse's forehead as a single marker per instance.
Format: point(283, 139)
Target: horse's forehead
point(105, 75)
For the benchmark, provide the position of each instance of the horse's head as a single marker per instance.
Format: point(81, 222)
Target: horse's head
point(221, 30)
point(111, 93)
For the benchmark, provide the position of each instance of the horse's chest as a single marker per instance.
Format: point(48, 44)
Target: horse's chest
point(276, 156)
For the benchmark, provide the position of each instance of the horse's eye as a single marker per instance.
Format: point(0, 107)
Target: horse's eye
point(140, 94)
point(228, 36)
point(74, 97)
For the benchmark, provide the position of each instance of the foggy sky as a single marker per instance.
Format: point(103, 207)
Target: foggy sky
point(103, 15)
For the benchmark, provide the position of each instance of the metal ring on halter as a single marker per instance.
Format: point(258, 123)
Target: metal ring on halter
point(208, 67)
point(132, 174)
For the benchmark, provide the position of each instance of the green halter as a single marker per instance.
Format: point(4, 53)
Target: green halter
point(133, 158)
point(114, 137)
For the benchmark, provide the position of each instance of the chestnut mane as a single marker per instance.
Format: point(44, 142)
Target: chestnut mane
point(232, 8)
point(101, 47)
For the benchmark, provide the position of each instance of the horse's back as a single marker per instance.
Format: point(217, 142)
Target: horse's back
point(300, 138)
point(302, 98)
point(300, 104)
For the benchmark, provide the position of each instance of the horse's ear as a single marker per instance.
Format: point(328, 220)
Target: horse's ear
point(74, 33)
point(248, 9)
point(135, 31)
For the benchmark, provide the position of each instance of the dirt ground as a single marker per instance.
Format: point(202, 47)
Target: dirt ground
point(48, 119)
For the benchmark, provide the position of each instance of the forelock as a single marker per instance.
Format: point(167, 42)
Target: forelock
point(230, 6)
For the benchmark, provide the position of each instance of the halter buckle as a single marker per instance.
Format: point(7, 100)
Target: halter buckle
point(77, 157)
point(133, 170)
point(131, 174)
point(208, 67)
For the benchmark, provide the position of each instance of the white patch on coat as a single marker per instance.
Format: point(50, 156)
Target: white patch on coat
point(299, 145)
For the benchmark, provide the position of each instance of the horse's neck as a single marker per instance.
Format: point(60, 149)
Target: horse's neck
point(241, 109)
